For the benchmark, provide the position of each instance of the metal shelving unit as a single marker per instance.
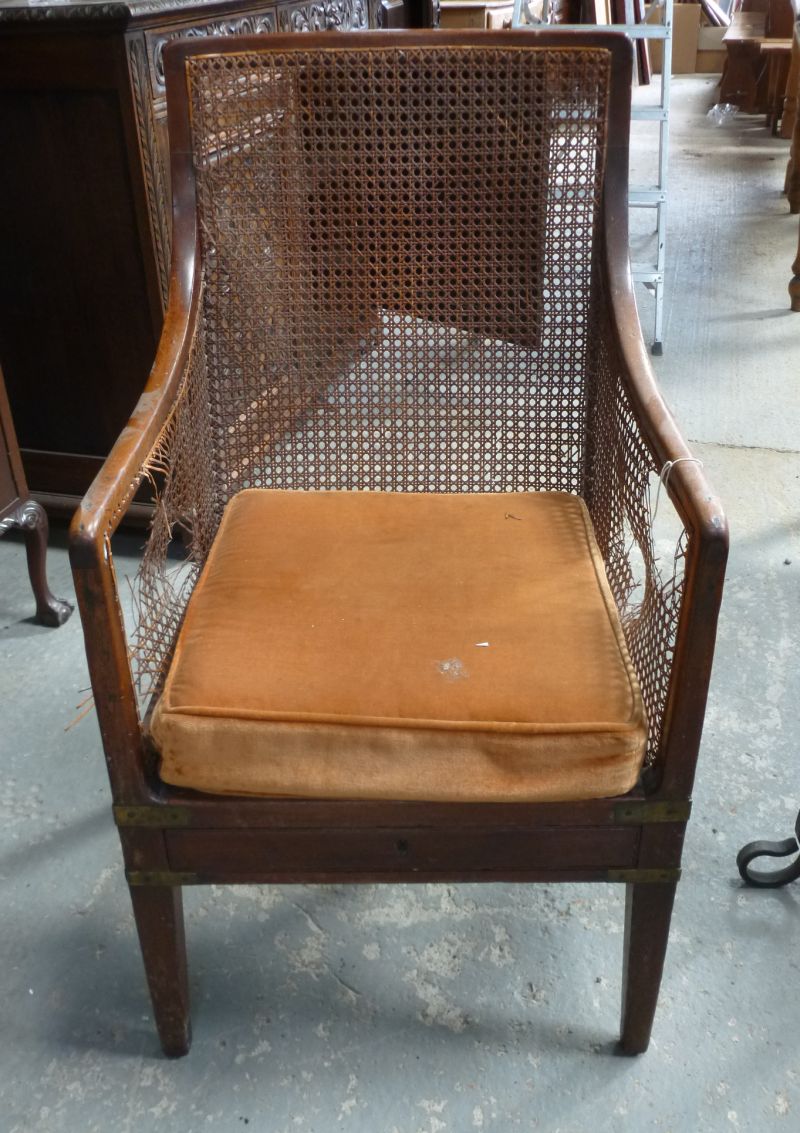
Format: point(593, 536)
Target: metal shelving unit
point(653, 196)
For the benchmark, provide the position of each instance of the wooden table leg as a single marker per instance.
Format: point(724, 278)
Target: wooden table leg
point(776, 54)
point(744, 78)
point(792, 183)
point(790, 102)
point(780, 67)
point(791, 122)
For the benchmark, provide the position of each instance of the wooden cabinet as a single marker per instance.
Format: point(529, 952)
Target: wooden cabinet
point(84, 205)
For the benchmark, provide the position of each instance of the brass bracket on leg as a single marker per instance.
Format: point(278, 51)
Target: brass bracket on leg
point(160, 816)
point(160, 877)
point(643, 813)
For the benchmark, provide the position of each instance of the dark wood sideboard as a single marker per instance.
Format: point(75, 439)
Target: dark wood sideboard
point(84, 205)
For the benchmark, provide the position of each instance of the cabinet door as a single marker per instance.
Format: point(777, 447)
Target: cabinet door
point(78, 319)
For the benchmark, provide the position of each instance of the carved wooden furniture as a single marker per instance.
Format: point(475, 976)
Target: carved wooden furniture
point(84, 205)
point(428, 416)
point(19, 511)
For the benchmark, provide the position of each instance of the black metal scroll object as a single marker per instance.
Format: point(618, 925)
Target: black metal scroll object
point(773, 879)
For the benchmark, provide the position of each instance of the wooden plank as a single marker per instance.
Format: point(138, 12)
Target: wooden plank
point(400, 850)
point(209, 812)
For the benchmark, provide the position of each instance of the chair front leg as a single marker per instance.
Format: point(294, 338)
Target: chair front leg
point(158, 910)
point(648, 911)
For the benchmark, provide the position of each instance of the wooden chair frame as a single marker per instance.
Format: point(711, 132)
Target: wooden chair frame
point(171, 838)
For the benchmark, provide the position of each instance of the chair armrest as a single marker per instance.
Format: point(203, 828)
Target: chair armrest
point(101, 512)
point(697, 505)
point(102, 508)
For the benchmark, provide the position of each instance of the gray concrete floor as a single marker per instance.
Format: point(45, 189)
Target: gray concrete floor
point(424, 1009)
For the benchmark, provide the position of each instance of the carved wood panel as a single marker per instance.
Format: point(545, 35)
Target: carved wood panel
point(153, 162)
point(146, 66)
point(324, 15)
point(261, 23)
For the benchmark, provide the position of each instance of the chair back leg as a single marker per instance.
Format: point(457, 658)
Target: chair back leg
point(158, 911)
point(648, 911)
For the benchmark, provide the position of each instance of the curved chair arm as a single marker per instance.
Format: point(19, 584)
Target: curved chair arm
point(101, 512)
point(102, 508)
point(697, 505)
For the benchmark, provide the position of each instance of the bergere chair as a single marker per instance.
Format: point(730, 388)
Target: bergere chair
point(404, 426)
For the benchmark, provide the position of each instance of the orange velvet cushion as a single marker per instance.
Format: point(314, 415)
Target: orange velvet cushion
point(398, 645)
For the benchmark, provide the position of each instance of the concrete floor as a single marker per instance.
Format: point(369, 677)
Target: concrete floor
point(423, 1009)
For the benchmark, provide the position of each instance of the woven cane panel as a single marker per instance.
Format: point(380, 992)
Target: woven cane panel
point(397, 249)
point(179, 468)
point(647, 584)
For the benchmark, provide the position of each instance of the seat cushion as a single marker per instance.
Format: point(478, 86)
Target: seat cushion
point(404, 646)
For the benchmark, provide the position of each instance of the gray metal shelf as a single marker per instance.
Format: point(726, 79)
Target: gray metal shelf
point(651, 275)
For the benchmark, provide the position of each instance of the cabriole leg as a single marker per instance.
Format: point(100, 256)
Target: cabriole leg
point(648, 910)
point(50, 611)
point(159, 922)
point(30, 518)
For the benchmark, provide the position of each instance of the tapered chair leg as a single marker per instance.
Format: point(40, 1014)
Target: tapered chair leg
point(159, 922)
point(648, 910)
